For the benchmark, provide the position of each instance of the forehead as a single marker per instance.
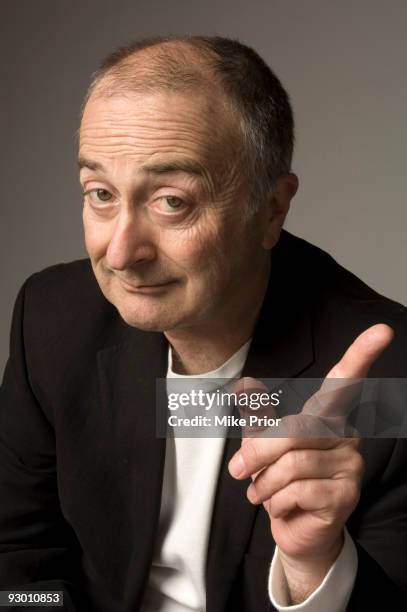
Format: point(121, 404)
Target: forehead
point(142, 124)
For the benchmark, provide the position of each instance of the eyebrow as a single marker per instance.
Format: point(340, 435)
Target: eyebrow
point(177, 165)
point(84, 162)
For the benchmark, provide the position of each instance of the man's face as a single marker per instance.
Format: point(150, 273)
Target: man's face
point(164, 210)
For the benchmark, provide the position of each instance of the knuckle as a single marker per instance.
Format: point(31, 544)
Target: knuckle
point(303, 487)
point(300, 463)
point(271, 506)
point(316, 459)
point(250, 453)
point(354, 443)
point(336, 496)
point(293, 460)
point(292, 424)
point(261, 484)
point(300, 459)
point(353, 463)
point(358, 464)
point(279, 475)
point(350, 493)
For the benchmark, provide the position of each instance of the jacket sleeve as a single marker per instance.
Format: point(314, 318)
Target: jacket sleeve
point(379, 529)
point(38, 549)
point(379, 523)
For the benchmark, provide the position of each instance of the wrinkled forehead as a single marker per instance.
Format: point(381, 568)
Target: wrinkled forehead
point(168, 95)
point(156, 109)
point(139, 125)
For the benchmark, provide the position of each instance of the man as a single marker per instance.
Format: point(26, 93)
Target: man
point(185, 153)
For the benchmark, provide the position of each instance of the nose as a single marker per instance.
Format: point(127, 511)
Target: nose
point(131, 241)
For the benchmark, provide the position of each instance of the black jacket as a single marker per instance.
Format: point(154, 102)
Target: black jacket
point(81, 468)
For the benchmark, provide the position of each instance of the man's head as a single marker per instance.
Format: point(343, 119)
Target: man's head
point(185, 148)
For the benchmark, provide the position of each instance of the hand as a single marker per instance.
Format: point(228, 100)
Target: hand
point(310, 486)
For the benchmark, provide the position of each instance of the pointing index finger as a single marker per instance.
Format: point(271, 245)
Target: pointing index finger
point(343, 383)
point(363, 352)
point(251, 389)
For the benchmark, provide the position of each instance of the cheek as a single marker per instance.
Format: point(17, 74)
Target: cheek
point(96, 235)
point(194, 250)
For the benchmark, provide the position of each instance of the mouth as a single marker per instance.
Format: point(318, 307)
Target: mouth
point(153, 288)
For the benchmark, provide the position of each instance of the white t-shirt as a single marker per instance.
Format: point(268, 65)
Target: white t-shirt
point(177, 577)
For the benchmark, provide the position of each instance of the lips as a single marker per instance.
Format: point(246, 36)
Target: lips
point(157, 285)
point(133, 286)
point(145, 287)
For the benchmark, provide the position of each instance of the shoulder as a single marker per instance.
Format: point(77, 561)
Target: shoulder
point(63, 279)
point(341, 304)
point(322, 274)
point(65, 317)
point(64, 297)
point(325, 280)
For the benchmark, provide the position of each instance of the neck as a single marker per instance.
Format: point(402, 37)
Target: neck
point(207, 346)
point(198, 355)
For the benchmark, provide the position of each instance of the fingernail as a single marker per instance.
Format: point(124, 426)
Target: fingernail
point(236, 466)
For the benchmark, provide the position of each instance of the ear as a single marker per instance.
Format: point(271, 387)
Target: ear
point(278, 207)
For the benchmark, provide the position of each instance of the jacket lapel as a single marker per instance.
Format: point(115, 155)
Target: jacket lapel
point(281, 348)
point(134, 459)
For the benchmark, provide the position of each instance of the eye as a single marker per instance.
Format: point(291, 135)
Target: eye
point(171, 203)
point(98, 195)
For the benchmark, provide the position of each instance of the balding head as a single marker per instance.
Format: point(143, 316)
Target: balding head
point(230, 72)
point(171, 65)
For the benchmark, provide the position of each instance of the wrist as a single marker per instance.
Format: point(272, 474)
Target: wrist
point(305, 574)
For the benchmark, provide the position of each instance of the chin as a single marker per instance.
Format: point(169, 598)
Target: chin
point(147, 313)
point(148, 321)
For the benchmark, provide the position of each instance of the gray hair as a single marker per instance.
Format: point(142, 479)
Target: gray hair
point(254, 91)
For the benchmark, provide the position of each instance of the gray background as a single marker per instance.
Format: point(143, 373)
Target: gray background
point(343, 64)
